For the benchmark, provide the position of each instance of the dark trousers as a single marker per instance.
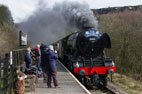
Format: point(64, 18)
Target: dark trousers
point(38, 61)
point(52, 74)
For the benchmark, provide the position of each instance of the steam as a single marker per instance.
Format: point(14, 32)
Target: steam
point(48, 25)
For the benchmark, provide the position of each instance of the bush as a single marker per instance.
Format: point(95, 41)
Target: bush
point(125, 30)
point(5, 15)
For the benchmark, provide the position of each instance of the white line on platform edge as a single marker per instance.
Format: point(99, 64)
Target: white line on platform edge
point(87, 91)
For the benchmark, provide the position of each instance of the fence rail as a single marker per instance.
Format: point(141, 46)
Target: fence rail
point(8, 74)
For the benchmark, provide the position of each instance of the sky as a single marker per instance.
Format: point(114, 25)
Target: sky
point(22, 9)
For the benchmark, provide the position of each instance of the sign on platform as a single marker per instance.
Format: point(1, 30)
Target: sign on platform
point(23, 38)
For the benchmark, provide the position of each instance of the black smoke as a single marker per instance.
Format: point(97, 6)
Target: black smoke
point(48, 25)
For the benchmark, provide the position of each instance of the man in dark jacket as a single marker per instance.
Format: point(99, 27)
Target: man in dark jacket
point(50, 59)
point(42, 49)
point(28, 58)
point(43, 64)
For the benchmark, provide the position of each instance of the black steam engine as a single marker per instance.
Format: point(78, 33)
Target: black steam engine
point(83, 54)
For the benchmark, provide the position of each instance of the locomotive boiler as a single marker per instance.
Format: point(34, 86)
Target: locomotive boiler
point(83, 54)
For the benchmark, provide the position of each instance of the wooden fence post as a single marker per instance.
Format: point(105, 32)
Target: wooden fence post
point(6, 73)
point(0, 75)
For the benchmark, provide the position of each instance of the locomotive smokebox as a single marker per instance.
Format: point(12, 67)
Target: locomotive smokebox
point(91, 43)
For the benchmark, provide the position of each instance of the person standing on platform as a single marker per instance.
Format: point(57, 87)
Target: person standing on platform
point(38, 55)
point(43, 65)
point(27, 58)
point(50, 59)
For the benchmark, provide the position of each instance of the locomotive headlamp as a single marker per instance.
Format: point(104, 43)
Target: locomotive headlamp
point(110, 71)
point(82, 72)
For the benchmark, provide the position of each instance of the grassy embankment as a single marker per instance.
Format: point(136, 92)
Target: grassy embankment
point(125, 30)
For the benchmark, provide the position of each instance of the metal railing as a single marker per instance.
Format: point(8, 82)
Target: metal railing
point(8, 66)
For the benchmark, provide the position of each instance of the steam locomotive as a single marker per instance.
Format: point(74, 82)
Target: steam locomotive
point(83, 54)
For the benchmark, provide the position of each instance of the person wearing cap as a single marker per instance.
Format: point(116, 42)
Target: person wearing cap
point(50, 59)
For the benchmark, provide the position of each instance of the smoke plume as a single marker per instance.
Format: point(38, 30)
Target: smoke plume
point(48, 25)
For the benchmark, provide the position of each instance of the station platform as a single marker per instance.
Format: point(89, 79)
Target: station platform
point(68, 84)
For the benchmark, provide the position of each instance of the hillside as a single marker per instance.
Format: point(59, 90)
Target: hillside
point(125, 30)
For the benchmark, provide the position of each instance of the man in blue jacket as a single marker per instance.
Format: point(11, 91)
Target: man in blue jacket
point(50, 59)
point(28, 58)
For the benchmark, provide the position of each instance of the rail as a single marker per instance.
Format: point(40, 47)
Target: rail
point(111, 88)
point(8, 74)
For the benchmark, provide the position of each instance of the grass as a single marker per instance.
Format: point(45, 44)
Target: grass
point(129, 84)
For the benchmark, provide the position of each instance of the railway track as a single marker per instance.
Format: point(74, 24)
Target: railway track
point(109, 89)
point(99, 89)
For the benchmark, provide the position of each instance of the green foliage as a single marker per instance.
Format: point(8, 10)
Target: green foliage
point(5, 15)
point(125, 30)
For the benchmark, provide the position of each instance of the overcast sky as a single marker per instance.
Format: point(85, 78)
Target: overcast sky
point(21, 9)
